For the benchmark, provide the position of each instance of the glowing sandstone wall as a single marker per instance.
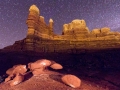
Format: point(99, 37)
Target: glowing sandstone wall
point(36, 24)
point(75, 36)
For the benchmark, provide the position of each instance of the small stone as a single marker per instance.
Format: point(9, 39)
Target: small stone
point(56, 66)
point(71, 80)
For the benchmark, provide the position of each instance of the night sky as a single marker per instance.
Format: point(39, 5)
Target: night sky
point(96, 13)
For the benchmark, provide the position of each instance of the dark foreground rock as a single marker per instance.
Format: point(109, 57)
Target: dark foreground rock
point(99, 69)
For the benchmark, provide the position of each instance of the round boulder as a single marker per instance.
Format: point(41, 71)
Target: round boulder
point(56, 66)
point(71, 80)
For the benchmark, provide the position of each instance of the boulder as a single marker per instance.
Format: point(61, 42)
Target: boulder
point(17, 69)
point(56, 66)
point(14, 71)
point(42, 63)
point(71, 80)
point(18, 79)
point(20, 69)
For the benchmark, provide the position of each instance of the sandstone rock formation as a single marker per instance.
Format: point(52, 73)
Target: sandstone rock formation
point(105, 30)
point(38, 67)
point(17, 69)
point(95, 31)
point(71, 80)
point(76, 27)
point(37, 25)
point(16, 74)
point(75, 36)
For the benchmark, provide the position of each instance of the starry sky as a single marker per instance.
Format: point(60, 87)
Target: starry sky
point(96, 13)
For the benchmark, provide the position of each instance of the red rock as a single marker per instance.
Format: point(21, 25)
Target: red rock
point(39, 66)
point(56, 66)
point(43, 63)
point(10, 70)
point(14, 71)
point(10, 77)
point(18, 79)
point(17, 69)
point(37, 71)
point(20, 69)
point(71, 80)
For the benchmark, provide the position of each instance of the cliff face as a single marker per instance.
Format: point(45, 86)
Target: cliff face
point(74, 38)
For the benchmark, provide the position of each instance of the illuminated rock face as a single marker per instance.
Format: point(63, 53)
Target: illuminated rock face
point(76, 27)
point(75, 35)
point(36, 24)
point(34, 8)
point(38, 67)
point(32, 19)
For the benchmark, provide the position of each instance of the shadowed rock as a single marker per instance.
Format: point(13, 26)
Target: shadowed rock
point(18, 79)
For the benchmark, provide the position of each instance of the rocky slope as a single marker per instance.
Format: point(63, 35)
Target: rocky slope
point(50, 81)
